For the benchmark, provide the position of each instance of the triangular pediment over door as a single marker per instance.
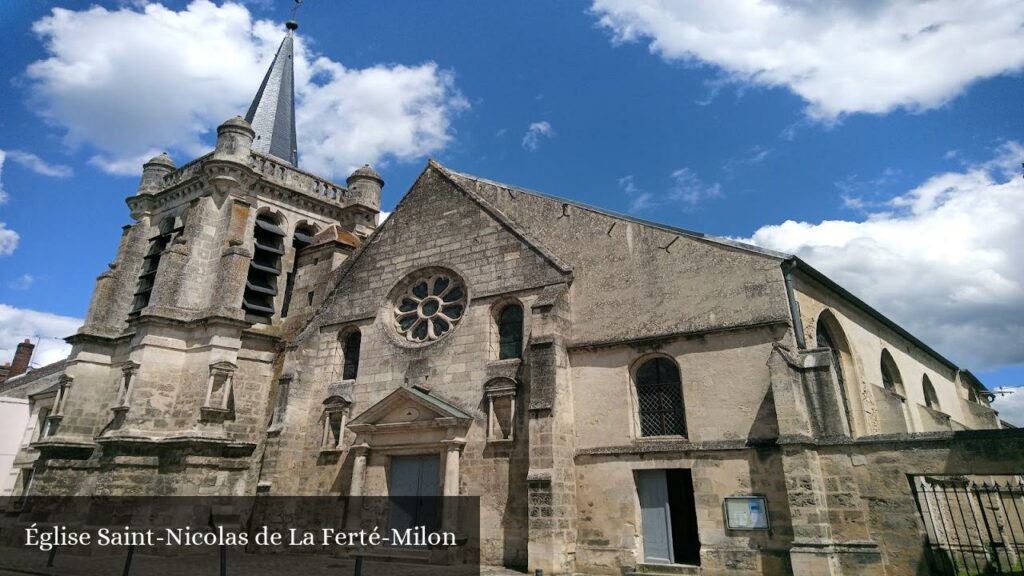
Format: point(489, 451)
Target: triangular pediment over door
point(410, 419)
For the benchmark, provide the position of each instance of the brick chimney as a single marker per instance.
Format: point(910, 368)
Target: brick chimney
point(22, 356)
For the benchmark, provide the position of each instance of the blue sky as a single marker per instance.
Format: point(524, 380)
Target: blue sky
point(880, 142)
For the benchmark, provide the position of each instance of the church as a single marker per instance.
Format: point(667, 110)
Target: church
point(622, 396)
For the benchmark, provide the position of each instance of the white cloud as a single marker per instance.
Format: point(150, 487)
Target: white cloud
point(42, 328)
point(640, 199)
point(8, 240)
point(943, 259)
point(129, 82)
point(38, 165)
point(3, 193)
point(534, 133)
point(23, 282)
point(840, 57)
point(686, 191)
point(1011, 407)
point(8, 237)
point(690, 190)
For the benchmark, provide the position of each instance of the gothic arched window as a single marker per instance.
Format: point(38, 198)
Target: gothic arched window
point(829, 334)
point(659, 394)
point(510, 332)
point(167, 230)
point(931, 399)
point(350, 344)
point(891, 379)
point(302, 237)
point(265, 267)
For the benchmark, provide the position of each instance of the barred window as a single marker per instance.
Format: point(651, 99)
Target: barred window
point(660, 399)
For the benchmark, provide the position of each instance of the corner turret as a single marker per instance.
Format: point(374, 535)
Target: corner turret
point(153, 173)
point(367, 183)
point(234, 140)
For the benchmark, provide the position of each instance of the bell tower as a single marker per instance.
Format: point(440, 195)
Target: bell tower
point(225, 257)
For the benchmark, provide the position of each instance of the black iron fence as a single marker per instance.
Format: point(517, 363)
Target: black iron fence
point(973, 527)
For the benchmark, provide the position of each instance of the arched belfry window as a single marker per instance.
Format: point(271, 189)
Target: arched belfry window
point(659, 393)
point(510, 332)
point(168, 229)
point(350, 343)
point(891, 379)
point(931, 399)
point(302, 237)
point(265, 267)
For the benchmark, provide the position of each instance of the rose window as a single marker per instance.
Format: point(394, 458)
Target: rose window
point(430, 307)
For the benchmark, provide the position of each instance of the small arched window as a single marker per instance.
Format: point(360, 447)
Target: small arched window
point(510, 332)
point(891, 379)
point(931, 399)
point(350, 344)
point(659, 393)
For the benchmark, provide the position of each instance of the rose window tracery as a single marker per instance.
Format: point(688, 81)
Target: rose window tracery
point(430, 307)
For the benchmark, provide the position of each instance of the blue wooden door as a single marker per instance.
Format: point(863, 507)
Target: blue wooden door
point(655, 516)
point(414, 486)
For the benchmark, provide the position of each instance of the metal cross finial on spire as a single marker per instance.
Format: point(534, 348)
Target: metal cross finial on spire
point(293, 24)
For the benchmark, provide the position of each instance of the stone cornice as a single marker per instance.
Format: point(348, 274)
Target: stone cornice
point(666, 337)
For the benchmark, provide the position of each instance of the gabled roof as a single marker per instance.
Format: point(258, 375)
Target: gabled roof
point(272, 113)
point(468, 184)
point(790, 259)
point(456, 176)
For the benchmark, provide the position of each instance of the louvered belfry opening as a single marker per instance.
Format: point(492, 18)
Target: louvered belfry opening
point(151, 262)
point(261, 284)
point(303, 237)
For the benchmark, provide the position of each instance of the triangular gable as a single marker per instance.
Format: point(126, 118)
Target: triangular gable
point(352, 264)
point(388, 410)
point(498, 215)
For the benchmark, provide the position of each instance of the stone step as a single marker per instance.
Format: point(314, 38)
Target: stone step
point(663, 570)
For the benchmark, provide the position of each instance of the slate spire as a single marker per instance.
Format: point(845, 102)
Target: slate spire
point(272, 113)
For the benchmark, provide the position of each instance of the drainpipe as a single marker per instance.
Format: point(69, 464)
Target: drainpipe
point(794, 309)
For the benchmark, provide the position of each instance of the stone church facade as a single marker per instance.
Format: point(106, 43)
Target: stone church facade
point(602, 383)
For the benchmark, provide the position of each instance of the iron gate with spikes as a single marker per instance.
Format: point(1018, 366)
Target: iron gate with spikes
point(972, 527)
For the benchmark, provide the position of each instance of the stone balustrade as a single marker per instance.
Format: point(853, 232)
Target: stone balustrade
point(186, 172)
point(283, 174)
point(295, 179)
